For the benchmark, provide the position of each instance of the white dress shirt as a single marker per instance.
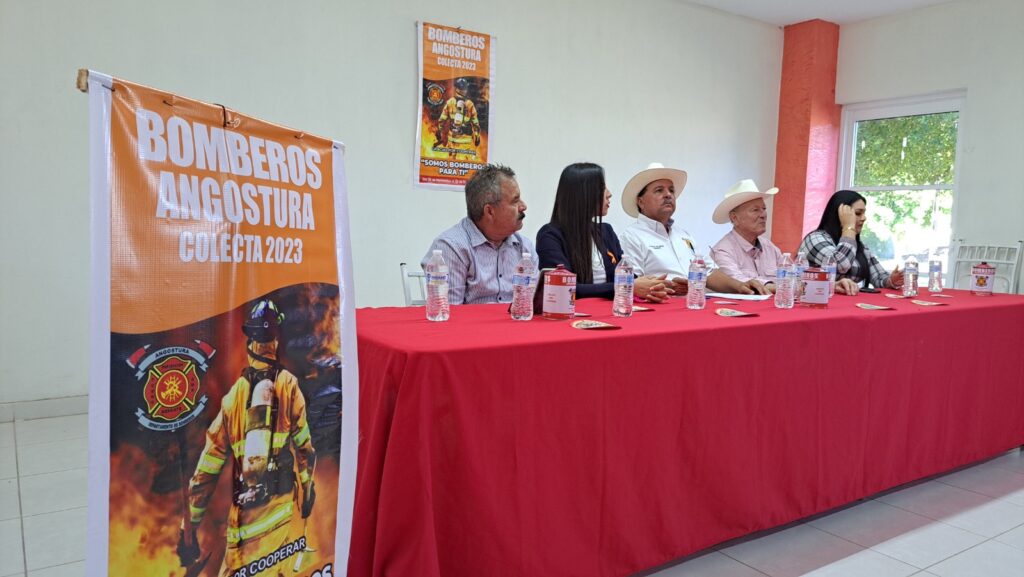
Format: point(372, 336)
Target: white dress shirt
point(654, 250)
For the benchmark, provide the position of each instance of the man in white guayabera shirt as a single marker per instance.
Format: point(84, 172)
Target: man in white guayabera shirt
point(651, 244)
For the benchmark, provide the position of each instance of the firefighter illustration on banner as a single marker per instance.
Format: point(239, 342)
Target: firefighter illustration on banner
point(262, 430)
point(458, 126)
point(455, 125)
point(219, 371)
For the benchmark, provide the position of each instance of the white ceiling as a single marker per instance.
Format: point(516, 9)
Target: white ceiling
point(784, 12)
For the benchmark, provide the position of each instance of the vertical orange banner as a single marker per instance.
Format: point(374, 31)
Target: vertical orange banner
point(216, 387)
point(455, 124)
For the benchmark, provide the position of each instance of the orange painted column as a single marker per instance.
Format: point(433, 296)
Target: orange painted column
point(807, 151)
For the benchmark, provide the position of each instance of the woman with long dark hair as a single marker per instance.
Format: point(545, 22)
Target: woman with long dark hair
point(578, 238)
point(838, 233)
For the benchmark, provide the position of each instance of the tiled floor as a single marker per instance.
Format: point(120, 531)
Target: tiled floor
point(964, 524)
point(43, 479)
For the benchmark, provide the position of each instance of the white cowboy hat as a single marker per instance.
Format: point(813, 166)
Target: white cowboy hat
point(654, 171)
point(743, 191)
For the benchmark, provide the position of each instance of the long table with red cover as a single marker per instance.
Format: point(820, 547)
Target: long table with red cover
point(501, 448)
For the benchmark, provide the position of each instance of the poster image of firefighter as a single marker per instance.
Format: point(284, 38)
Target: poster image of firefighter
point(216, 412)
point(455, 117)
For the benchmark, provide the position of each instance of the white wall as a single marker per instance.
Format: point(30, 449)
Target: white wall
point(977, 45)
point(615, 82)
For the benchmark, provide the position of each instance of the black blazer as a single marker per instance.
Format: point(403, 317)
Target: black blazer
point(551, 251)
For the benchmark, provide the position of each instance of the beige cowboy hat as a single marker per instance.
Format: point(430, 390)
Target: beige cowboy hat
point(654, 171)
point(743, 191)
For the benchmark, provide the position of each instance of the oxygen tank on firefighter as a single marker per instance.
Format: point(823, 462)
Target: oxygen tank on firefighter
point(258, 435)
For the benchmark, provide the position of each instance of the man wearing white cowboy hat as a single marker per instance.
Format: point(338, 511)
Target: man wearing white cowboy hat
point(743, 253)
point(651, 244)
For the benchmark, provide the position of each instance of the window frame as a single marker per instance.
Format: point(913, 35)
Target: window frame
point(954, 101)
point(912, 106)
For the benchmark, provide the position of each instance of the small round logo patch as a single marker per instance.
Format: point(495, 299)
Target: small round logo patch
point(435, 94)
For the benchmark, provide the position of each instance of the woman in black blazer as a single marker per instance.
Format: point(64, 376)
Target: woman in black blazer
point(576, 230)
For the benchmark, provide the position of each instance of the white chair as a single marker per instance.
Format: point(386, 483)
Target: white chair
point(1006, 259)
point(419, 280)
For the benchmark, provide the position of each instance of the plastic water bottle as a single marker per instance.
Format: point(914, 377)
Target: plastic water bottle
point(784, 277)
point(799, 266)
point(437, 288)
point(522, 289)
point(934, 274)
point(698, 275)
point(622, 305)
point(910, 277)
point(829, 265)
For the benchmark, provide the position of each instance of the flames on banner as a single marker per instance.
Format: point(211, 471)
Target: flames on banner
point(149, 478)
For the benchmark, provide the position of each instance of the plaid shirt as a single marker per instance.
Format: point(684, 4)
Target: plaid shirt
point(818, 245)
point(480, 273)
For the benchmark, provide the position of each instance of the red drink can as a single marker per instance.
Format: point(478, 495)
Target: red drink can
point(983, 276)
point(816, 288)
point(559, 294)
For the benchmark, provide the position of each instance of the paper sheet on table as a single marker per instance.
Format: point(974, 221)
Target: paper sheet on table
point(736, 297)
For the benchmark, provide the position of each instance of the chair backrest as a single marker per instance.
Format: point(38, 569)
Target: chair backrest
point(1006, 259)
point(418, 280)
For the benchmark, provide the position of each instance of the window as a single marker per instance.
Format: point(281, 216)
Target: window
point(902, 157)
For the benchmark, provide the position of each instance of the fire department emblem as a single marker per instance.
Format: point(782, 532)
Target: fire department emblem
point(171, 383)
point(435, 94)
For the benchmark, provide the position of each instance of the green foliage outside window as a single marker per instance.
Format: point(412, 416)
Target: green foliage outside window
point(905, 151)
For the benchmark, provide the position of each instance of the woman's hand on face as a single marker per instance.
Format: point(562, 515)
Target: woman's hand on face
point(846, 286)
point(652, 288)
point(847, 217)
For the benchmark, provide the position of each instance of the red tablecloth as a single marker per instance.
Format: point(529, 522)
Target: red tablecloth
point(493, 447)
